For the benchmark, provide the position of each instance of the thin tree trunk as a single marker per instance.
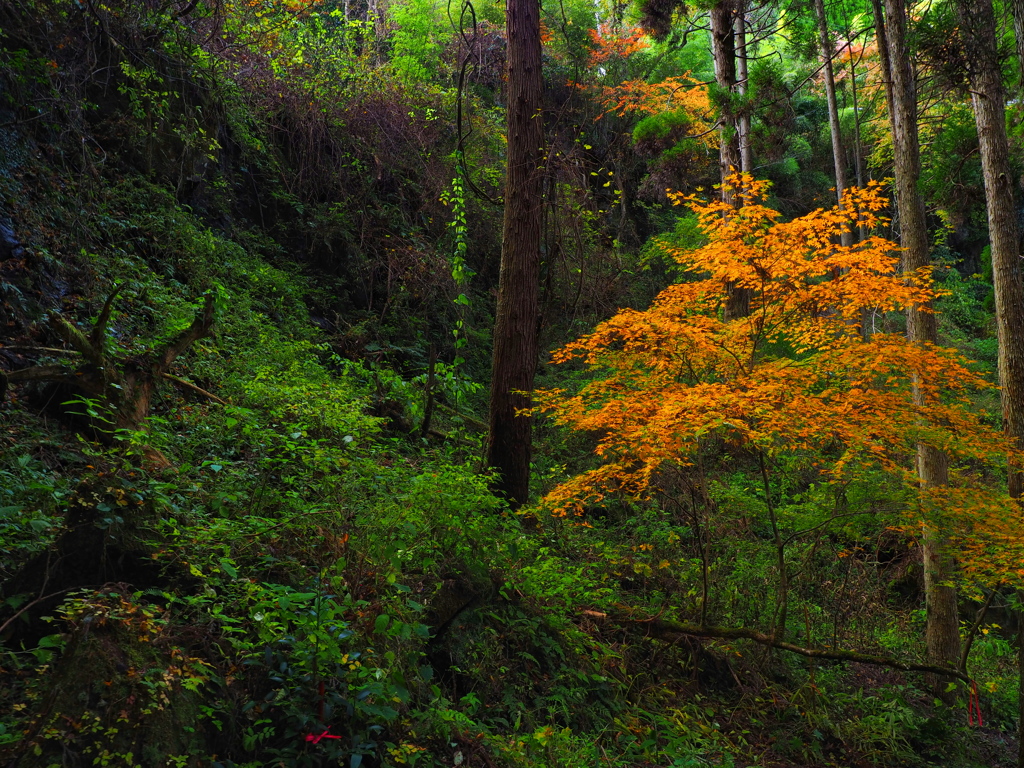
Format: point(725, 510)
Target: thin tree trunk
point(723, 45)
point(883, 53)
point(742, 74)
point(942, 632)
point(515, 327)
point(978, 33)
point(1017, 9)
point(858, 150)
point(858, 153)
point(838, 155)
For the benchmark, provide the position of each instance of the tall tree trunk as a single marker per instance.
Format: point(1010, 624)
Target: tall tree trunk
point(723, 48)
point(858, 149)
point(515, 326)
point(978, 34)
point(838, 155)
point(1017, 8)
point(742, 74)
point(883, 53)
point(977, 29)
point(942, 632)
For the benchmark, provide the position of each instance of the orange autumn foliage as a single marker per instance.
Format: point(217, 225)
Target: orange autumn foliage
point(671, 94)
point(796, 377)
point(608, 44)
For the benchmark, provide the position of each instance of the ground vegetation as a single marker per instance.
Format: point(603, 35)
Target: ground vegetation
point(254, 510)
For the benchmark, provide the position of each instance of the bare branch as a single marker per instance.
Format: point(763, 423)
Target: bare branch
point(35, 602)
point(972, 633)
point(475, 423)
point(186, 10)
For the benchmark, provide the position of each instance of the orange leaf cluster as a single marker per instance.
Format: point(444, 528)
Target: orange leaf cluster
point(611, 45)
point(671, 94)
point(798, 375)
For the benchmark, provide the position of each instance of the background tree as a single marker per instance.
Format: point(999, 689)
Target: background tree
point(943, 624)
point(516, 316)
point(978, 33)
point(838, 153)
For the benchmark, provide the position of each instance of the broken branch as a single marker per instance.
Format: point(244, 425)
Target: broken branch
point(76, 339)
point(199, 329)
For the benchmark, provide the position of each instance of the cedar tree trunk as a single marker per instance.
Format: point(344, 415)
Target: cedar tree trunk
point(838, 155)
point(742, 73)
point(723, 48)
point(515, 326)
point(942, 632)
point(978, 34)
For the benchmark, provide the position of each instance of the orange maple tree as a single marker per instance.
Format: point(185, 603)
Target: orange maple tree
point(798, 376)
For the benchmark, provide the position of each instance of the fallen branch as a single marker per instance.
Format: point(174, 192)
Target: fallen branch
point(198, 390)
point(664, 630)
point(40, 350)
point(476, 423)
point(38, 373)
point(35, 373)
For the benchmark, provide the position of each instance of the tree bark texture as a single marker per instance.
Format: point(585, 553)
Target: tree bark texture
point(723, 45)
point(838, 154)
point(723, 48)
point(743, 74)
point(978, 35)
point(515, 330)
point(942, 632)
point(1017, 9)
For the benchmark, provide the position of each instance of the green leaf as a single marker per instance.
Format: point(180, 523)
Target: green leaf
point(381, 624)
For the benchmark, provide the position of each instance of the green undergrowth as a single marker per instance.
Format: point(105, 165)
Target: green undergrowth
point(284, 566)
point(283, 578)
point(287, 581)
